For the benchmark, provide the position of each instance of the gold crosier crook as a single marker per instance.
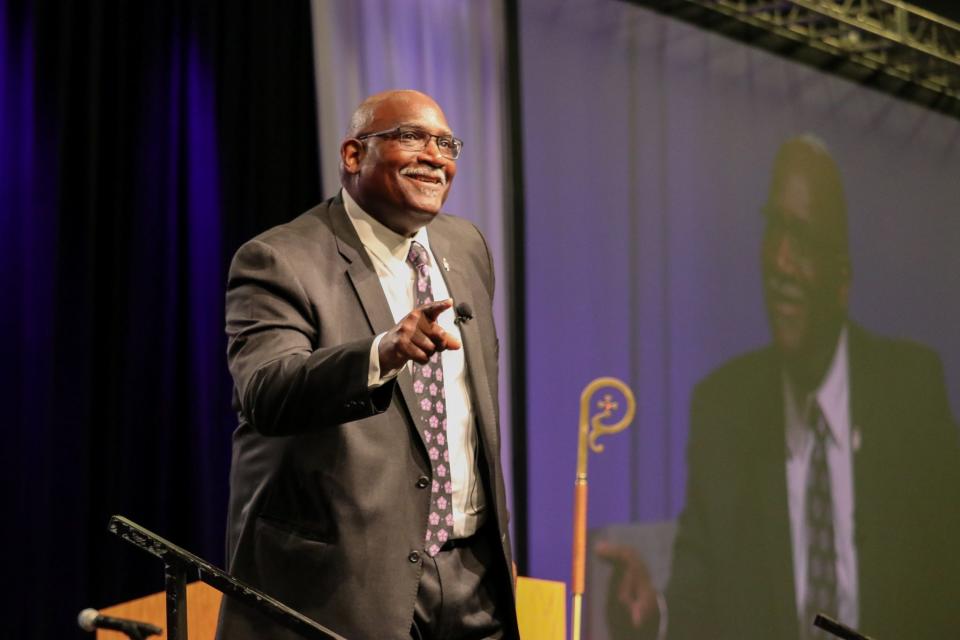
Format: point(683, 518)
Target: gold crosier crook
point(589, 433)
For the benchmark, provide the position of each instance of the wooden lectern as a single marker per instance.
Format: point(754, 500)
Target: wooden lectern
point(191, 610)
point(541, 608)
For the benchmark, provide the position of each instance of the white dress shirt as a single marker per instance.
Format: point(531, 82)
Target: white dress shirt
point(833, 396)
point(388, 251)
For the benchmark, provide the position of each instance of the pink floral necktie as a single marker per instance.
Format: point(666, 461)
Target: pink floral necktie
point(428, 387)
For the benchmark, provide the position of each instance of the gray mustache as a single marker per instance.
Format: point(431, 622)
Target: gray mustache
point(426, 173)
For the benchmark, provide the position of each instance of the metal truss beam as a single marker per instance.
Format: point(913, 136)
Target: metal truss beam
point(888, 44)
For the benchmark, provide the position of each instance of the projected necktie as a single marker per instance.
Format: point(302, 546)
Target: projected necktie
point(428, 387)
point(821, 553)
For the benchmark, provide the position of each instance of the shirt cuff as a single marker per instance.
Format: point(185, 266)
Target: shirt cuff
point(374, 379)
point(664, 617)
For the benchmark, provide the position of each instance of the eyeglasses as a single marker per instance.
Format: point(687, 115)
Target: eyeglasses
point(806, 242)
point(413, 139)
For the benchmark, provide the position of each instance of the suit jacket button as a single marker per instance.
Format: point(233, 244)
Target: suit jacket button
point(422, 482)
point(414, 557)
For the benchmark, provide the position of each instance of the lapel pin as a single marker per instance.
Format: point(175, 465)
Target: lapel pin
point(446, 265)
point(857, 439)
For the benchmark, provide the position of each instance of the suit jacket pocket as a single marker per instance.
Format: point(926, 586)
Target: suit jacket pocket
point(300, 530)
point(292, 561)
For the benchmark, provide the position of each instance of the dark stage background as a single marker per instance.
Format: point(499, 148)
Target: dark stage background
point(140, 144)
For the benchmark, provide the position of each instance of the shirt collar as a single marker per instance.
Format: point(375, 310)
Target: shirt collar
point(383, 243)
point(833, 392)
point(832, 396)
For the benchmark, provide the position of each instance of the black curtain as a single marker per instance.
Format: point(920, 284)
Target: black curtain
point(140, 144)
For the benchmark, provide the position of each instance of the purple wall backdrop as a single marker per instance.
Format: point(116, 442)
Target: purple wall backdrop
point(648, 145)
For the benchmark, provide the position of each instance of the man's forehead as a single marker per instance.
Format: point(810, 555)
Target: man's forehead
point(793, 197)
point(412, 111)
point(798, 199)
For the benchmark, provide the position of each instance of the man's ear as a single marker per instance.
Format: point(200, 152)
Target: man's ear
point(351, 153)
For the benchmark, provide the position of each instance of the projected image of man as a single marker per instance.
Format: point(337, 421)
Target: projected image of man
point(823, 470)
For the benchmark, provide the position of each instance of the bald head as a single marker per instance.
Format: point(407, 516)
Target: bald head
point(400, 186)
point(365, 116)
point(807, 180)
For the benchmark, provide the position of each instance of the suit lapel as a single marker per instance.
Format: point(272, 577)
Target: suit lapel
point(773, 517)
point(870, 466)
point(463, 287)
point(360, 270)
point(365, 282)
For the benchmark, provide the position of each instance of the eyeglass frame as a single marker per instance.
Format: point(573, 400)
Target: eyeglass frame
point(396, 132)
point(807, 245)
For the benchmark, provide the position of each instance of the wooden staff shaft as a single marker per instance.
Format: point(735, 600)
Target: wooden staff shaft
point(579, 536)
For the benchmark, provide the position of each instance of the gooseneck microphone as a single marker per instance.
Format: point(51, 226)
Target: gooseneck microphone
point(463, 313)
point(91, 620)
point(835, 628)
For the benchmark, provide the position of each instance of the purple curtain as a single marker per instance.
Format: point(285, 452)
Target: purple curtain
point(135, 154)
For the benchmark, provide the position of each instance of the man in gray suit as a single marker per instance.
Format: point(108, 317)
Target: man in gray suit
point(366, 486)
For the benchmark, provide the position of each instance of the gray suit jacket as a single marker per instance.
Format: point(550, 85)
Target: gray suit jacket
point(325, 508)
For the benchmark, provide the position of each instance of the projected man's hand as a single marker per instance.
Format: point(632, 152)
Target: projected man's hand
point(631, 596)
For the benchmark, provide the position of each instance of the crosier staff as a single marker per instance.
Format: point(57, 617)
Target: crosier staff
point(591, 428)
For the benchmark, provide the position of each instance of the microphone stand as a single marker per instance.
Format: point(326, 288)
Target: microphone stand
point(137, 634)
point(179, 563)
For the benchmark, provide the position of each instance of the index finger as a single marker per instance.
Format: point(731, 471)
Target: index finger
point(433, 309)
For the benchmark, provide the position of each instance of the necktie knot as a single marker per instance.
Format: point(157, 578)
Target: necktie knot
point(816, 420)
point(417, 256)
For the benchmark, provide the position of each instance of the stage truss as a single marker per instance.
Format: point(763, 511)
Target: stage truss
point(890, 45)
